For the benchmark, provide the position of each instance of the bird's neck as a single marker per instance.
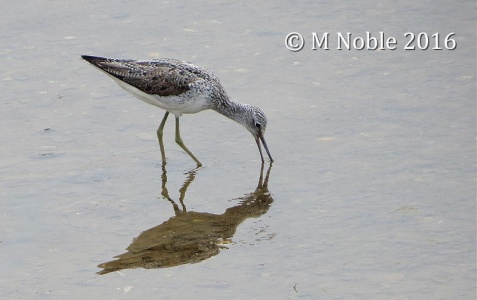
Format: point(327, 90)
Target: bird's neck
point(234, 110)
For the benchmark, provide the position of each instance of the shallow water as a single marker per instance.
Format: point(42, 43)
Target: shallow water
point(373, 186)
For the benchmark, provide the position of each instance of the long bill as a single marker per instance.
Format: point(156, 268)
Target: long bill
point(259, 138)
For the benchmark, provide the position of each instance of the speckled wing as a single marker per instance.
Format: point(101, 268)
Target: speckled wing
point(165, 77)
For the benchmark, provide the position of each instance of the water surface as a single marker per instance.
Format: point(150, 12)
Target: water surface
point(373, 186)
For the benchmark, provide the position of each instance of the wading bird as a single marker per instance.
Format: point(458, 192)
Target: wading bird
point(180, 88)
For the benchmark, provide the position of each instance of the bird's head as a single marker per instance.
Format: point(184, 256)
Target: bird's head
point(256, 125)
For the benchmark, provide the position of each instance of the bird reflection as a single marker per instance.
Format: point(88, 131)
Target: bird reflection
point(190, 237)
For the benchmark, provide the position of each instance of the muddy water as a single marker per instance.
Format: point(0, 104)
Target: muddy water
point(372, 195)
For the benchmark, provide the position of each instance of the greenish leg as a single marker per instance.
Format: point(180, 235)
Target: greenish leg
point(160, 132)
point(181, 143)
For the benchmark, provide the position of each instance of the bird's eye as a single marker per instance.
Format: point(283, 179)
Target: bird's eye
point(258, 125)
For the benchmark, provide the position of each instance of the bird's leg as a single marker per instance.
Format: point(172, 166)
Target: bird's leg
point(160, 132)
point(181, 143)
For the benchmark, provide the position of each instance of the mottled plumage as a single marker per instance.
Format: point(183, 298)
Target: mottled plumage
point(180, 88)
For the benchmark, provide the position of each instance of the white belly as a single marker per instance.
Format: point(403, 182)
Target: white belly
point(189, 102)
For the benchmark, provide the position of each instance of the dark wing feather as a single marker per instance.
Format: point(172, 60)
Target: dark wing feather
point(161, 80)
point(160, 77)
